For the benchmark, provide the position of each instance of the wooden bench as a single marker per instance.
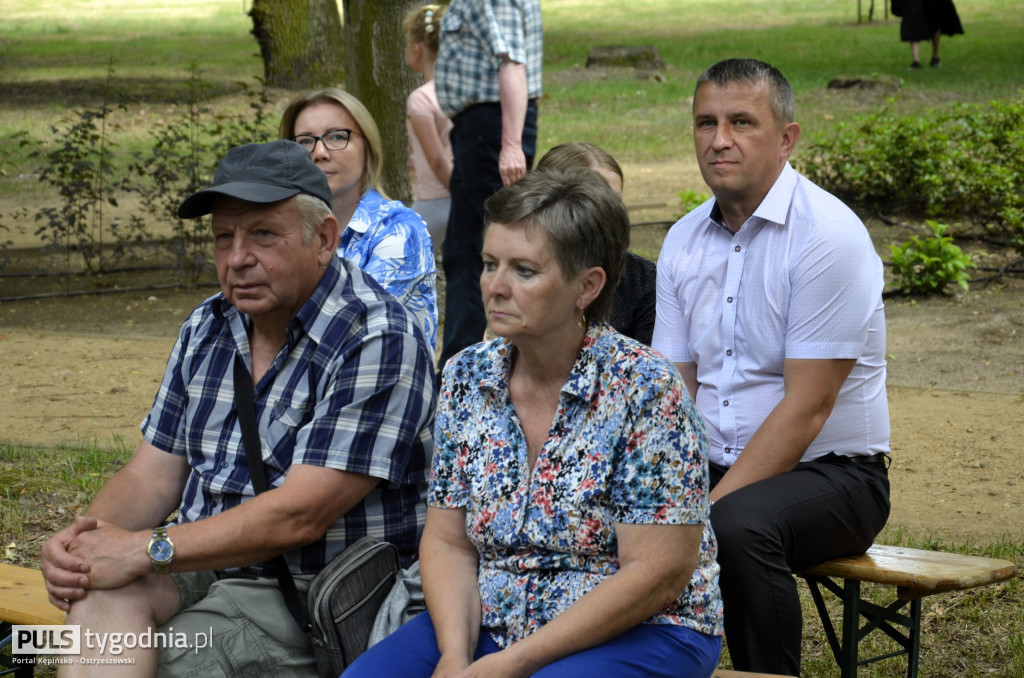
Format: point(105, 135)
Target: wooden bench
point(22, 601)
point(915, 574)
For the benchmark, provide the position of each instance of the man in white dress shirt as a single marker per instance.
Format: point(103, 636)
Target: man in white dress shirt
point(769, 304)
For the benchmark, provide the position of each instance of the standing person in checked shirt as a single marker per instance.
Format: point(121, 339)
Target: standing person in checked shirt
point(488, 79)
point(344, 400)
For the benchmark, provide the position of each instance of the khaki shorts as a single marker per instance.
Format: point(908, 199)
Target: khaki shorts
point(235, 627)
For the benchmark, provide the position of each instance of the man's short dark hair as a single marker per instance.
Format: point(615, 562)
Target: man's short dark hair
point(727, 71)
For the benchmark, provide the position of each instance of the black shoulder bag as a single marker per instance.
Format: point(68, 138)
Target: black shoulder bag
point(344, 598)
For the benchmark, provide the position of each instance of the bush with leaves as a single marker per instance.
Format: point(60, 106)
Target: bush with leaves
point(83, 168)
point(691, 200)
point(927, 265)
point(182, 160)
point(966, 164)
point(88, 174)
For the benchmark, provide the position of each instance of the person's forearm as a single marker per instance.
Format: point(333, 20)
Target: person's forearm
point(616, 605)
point(514, 98)
point(144, 492)
point(134, 503)
point(452, 597)
point(775, 448)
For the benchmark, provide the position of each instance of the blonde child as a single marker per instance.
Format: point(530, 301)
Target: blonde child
point(430, 151)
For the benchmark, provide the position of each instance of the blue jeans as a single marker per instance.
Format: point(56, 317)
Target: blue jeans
point(646, 651)
point(476, 145)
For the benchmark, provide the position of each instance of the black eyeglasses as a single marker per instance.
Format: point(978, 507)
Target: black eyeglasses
point(333, 140)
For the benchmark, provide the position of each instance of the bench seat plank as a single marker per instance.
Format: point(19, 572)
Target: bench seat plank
point(23, 597)
point(924, 571)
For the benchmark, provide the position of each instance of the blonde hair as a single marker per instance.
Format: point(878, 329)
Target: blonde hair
point(374, 156)
point(424, 25)
point(580, 154)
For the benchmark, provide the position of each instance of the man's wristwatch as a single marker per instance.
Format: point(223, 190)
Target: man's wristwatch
point(160, 551)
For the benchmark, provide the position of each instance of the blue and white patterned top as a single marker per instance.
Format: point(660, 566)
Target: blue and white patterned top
point(352, 389)
point(626, 446)
point(391, 243)
point(474, 36)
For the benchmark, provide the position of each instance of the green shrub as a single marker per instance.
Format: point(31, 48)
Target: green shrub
point(691, 200)
point(965, 164)
point(928, 265)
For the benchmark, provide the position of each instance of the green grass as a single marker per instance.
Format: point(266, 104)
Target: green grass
point(55, 59)
point(44, 488)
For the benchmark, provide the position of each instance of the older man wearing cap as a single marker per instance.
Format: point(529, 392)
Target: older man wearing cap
point(344, 405)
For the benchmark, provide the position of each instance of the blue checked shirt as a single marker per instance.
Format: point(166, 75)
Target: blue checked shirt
point(352, 389)
point(474, 36)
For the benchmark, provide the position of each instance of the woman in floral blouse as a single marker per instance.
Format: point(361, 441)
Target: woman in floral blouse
point(567, 529)
point(382, 236)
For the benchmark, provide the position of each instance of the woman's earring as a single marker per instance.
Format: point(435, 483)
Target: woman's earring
point(582, 322)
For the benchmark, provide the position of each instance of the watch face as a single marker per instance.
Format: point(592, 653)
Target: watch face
point(161, 551)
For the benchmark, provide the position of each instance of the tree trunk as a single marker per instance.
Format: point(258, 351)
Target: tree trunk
point(300, 42)
point(380, 78)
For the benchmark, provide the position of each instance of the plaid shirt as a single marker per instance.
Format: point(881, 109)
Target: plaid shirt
point(474, 36)
point(352, 389)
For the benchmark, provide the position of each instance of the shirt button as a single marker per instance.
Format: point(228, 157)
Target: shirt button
point(725, 403)
point(729, 352)
point(728, 450)
point(729, 299)
point(737, 248)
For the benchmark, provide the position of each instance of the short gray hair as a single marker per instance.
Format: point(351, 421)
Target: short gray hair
point(312, 210)
point(584, 219)
point(783, 103)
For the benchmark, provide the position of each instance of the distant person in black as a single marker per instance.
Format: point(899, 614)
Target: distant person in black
point(928, 20)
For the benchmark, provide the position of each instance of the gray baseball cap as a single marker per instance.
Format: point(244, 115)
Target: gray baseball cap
point(261, 173)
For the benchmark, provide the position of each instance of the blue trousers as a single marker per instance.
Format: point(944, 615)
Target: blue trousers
point(770, 529)
point(476, 145)
point(647, 651)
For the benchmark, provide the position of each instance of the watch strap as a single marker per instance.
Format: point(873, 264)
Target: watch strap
point(160, 534)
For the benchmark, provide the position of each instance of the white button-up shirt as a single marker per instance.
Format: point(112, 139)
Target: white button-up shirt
point(800, 279)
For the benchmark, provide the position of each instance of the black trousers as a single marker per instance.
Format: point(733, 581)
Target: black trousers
point(476, 145)
point(768, 530)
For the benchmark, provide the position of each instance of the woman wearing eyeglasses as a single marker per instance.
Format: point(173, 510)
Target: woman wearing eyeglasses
point(384, 237)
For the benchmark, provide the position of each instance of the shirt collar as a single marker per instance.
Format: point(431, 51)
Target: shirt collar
point(368, 205)
point(584, 378)
point(774, 208)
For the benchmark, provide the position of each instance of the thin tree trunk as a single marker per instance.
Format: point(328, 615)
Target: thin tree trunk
point(300, 42)
point(380, 78)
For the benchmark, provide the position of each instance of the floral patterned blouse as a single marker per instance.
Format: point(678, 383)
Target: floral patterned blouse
point(391, 243)
point(626, 445)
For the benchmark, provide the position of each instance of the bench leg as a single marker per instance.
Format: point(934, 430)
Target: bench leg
point(851, 628)
point(889, 620)
point(914, 650)
point(7, 665)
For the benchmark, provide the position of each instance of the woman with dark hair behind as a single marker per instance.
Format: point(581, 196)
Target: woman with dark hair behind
point(566, 531)
point(635, 301)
